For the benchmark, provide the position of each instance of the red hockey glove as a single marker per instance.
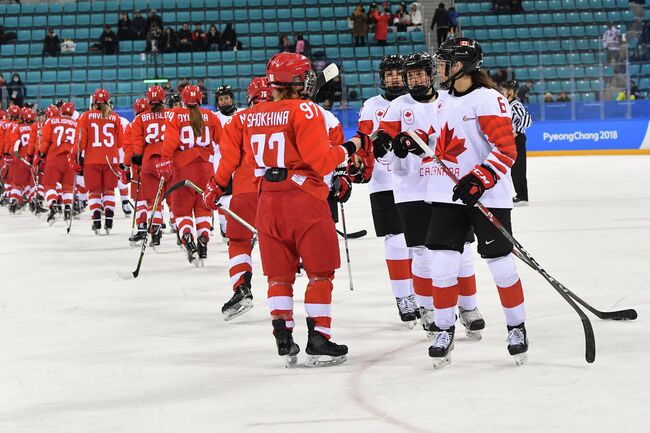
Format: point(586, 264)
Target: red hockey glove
point(76, 166)
point(341, 185)
point(165, 167)
point(360, 167)
point(471, 187)
point(405, 144)
point(125, 174)
point(9, 159)
point(211, 194)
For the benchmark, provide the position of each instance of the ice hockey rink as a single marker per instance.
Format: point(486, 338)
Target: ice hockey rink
point(82, 350)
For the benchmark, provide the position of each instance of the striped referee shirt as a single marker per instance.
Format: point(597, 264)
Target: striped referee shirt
point(521, 119)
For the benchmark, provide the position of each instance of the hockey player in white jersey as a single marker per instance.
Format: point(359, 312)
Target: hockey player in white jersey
point(474, 138)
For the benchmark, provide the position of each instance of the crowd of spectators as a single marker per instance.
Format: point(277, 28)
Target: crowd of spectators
point(507, 6)
point(381, 21)
point(446, 21)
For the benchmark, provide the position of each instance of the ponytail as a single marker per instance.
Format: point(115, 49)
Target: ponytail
point(106, 110)
point(196, 121)
point(481, 79)
point(156, 108)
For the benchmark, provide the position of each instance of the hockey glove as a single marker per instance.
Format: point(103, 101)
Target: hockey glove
point(404, 144)
point(211, 194)
point(471, 187)
point(360, 167)
point(125, 174)
point(382, 143)
point(165, 167)
point(341, 185)
point(9, 159)
point(136, 159)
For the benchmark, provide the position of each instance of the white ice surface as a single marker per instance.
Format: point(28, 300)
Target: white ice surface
point(83, 351)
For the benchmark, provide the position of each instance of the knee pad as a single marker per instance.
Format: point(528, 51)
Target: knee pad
point(322, 276)
point(395, 247)
point(504, 270)
point(422, 262)
point(445, 265)
point(467, 261)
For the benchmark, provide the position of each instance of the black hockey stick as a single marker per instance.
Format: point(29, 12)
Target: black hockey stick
point(347, 250)
point(590, 339)
point(137, 195)
point(353, 235)
point(330, 72)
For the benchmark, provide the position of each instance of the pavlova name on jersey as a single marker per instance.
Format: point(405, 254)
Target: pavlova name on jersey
point(185, 117)
point(99, 116)
point(273, 118)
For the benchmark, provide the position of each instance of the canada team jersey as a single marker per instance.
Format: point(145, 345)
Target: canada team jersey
point(473, 129)
point(20, 137)
point(409, 175)
point(291, 134)
point(99, 137)
point(369, 117)
point(148, 133)
point(59, 136)
point(182, 143)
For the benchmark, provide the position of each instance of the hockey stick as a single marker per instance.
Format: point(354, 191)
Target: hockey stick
point(137, 194)
point(347, 250)
point(119, 176)
point(590, 339)
point(353, 235)
point(74, 184)
point(330, 72)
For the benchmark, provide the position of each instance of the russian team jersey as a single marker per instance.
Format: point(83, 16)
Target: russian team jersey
point(409, 175)
point(369, 117)
point(182, 144)
point(473, 129)
point(148, 133)
point(99, 137)
point(59, 136)
point(217, 148)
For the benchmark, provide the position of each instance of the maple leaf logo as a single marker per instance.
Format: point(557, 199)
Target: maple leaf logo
point(448, 146)
point(407, 114)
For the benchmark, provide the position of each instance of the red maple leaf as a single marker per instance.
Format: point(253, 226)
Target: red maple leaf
point(448, 146)
point(407, 114)
point(380, 113)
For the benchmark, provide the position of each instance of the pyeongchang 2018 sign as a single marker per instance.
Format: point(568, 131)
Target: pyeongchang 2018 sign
point(589, 135)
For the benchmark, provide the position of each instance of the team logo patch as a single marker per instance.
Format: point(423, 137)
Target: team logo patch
point(408, 117)
point(379, 114)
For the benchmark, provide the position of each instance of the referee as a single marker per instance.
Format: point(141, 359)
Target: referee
point(521, 120)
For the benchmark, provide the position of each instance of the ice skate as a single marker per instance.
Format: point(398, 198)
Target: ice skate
point(427, 321)
point(126, 208)
point(156, 235)
point(51, 216)
point(473, 322)
point(138, 236)
point(517, 202)
point(202, 251)
point(440, 349)
point(241, 301)
point(287, 349)
point(318, 345)
point(518, 343)
point(108, 221)
point(97, 222)
point(67, 213)
point(407, 308)
point(190, 247)
point(13, 207)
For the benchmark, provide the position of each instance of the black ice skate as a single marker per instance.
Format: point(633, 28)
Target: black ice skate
point(241, 301)
point(139, 236)
point(108, 221)
point(51, 216)
point(473, 322)
point(13, 207)
point(97, 222)
point(156, 235)
point(427, 320)
point(202, 251)
point(518, 343)
point(408, 311)
point(287, 349)
point(190, 247)
point(318, 345)
point(440, 349)
point(126, 208)
point(67, 213)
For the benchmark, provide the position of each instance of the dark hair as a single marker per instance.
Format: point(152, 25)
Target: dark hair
point(157, 107)
point(482, 79)
point(441, 5)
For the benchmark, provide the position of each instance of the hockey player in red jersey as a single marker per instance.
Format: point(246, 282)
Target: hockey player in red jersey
point(59, 136)
point(21, 174)
point(13, 113)
point(100, 137)
point(134, 169)
point(293, 153)
point(475, 139)
point(237, 163)
point(187, 152)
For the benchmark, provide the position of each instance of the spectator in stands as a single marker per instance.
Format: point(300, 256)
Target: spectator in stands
point(622, 96)
point(183, 83)
point(124, 27)
point(516, 6)
point(359, 21)
point(16, 90)
point(612, 43)
point(68, 46)
point(563, 97)
point(138, 26)
point(381, 24)
point(416, 15)
point(198, 38)
point(154, 38)
point(548, 97)
point(634, 90)
point(453, 21)
point(108, 40)
point(204, 90)
point(153, 18)
point(500, 5)
point(501, 76)
point(3, 90)
point(168, 41)
point(284, 44)
point(441, 19)
point(401, 18)
point(302, 45)
point(229, 38)
point(371, 18)
point(184, 39)
point(213, 39)
point(51, 44)
point(522, 93)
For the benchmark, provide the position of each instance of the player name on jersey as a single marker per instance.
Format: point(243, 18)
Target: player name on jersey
point(268, 119)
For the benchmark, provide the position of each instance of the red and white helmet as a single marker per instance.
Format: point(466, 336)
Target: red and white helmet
point(67, 108)
point(290, 69)
point(52, 111)
point(13, 111)
point(101, 96)
point(156, 95)
point(28, 115)
point(140, 105)
point(192, 96)
point(259, 91)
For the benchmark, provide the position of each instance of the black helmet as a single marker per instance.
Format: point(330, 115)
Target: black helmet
point(225, 90)
point(464, 50)
point(388, 63)
point(173, 98)
point(415, 61)
point(511, 84)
